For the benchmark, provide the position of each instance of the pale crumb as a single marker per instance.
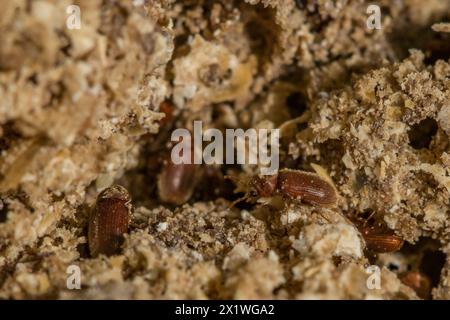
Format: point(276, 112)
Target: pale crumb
point(441, 27)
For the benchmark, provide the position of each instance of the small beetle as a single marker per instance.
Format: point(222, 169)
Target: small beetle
point(176, 182)
point(296, 185)
point(380, 241)
point(109, 221)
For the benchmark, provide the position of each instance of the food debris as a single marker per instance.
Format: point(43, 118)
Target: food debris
point(84, 110)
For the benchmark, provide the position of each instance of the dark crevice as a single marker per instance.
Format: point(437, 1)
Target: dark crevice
point(432, 263)
point(3, 211)
point(296, 104)
point(421, 134)
point(425, 264)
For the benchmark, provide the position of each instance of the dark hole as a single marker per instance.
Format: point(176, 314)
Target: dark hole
point(432, 264)
point(427, 262)
point(10, 135)
point(3, 212)
point(296, 104)
point(437, 48)
point(83, 250)
point(385, 10)
point(33, 78)
point(216, 112)
point(181, 40)
point(301, 4)
point(257, 33)
point(337, 260)
point(421, 134)
point(392, 267)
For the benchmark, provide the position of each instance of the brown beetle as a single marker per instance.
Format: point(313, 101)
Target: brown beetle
point(296, 185)
point(381, 241)
point(109, 221)
point(176, 182)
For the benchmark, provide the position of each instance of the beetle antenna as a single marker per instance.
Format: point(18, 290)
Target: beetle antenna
point(370, 217)
point(235, 202)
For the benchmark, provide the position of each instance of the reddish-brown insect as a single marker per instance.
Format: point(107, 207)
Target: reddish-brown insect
point(381, 241)
point(297, 185)
point(109, 221)
point(167, 108)
point(177, 182)
point(419, 282)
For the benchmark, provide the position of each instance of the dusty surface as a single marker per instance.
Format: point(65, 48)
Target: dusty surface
point(80, 110)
